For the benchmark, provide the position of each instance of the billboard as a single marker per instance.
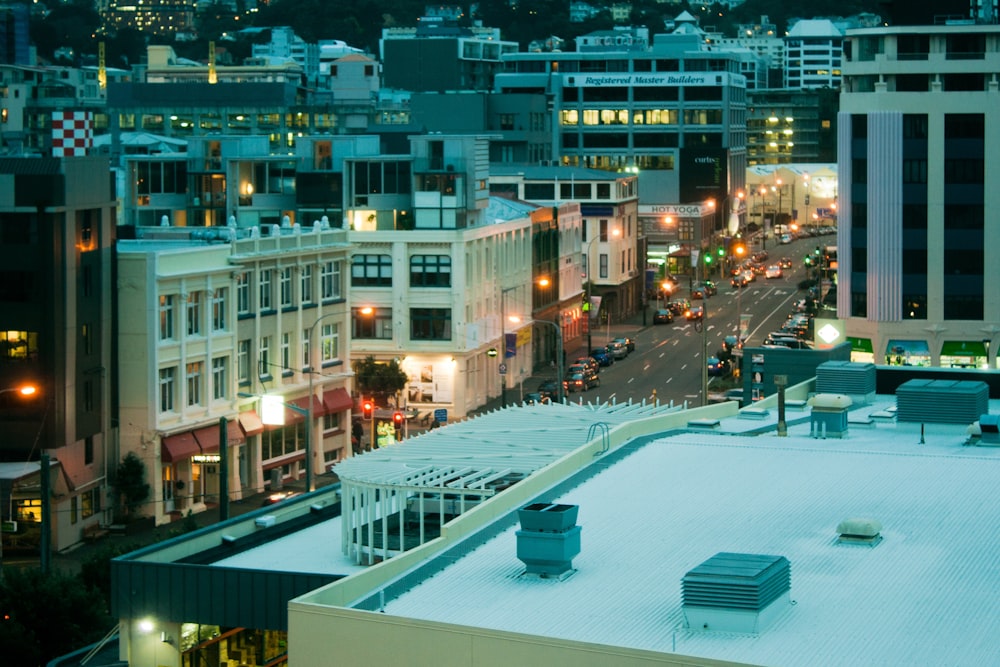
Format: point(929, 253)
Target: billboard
point(703, 174)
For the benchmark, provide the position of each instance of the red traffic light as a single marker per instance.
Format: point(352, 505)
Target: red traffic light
point(367, 409)
point(397, 419)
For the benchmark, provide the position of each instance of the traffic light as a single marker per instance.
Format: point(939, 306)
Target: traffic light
point(739, 249)
point(720, 251)
point(367, 409)
point(708, 258)
point(397, 422)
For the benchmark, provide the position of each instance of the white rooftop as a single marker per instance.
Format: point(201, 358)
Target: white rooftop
point(925, 595)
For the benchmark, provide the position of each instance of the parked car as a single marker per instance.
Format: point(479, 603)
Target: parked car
point(694, 313)
point(602, 356)
point(773, 271)
point(589, 362)
point(579, 379)
point(548, 390)
point(617, 349)
point(719, 367)
point(628, 342)
point(663, 316)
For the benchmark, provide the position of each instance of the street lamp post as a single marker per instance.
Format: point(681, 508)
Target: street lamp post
point(503, 341)
point(309, 405)
point(559, 358)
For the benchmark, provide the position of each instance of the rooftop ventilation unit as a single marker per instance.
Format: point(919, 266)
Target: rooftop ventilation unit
point(853, 379)
point(941, 401)
point(732, 592)
point(987, 429)
point(859, 531)
point(828, 418)
point(549, 539)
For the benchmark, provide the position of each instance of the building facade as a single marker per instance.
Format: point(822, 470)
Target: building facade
point(918, 151)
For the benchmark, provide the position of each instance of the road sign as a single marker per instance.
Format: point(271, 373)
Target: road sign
point(503, 369)
point(441, 415)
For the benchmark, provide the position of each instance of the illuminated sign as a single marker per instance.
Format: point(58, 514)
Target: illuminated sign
point(597, 80)
point(206, 458)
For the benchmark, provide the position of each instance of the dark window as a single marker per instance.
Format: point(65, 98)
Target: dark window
point(964, 125)
point(963, 216)
point(914, 306)
point(430, 323)
point(915, 217)
point(544, 191)
point(859, 304)
point(959, 261)
point(914, 126)
point(574, 191)
point(963, 307)
point(603, 191)
point(655, 94)
point(912, 83)
point(430, 271)
point(915, 171)
point(859, 126)
point(965, 170)
point(915, 261)
point(964, 46)
point(608, 94)
point(371, 271)
point(374, 324)
point(88, 450)
point(913, 47)
point(964, 82)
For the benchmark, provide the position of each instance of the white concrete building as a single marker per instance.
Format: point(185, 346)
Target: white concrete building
point(813, 54)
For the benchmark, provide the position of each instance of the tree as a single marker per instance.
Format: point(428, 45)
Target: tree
point(130, 482)
point(35, 603)
point(379, 379)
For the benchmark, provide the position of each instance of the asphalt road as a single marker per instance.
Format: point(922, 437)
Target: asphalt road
point(668, 357)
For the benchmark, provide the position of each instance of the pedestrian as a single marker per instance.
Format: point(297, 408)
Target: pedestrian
point(357, 435)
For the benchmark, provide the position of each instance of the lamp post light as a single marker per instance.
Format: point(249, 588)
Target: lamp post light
point(309, 405)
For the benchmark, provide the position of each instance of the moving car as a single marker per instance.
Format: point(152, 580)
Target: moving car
point(785, 263)
point(663, 316)
point(602, 356)
point(579, 379)
point(535, 398)
point(548, 390)
point(740, 281)
point(773, 271)
point(679, 306)
point(719, 367)
point(694, 313)
point(730, 343)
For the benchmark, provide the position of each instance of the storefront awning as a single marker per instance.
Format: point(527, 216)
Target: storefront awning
point(916, 348)
point(337, 400)
point(861, 344)
point(250, 423)
point(963, 348)
point(294, 417)
point(208, 437)
point(174, 448)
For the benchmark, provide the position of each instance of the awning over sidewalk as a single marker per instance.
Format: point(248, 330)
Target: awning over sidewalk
point(250, 423)
point(174, 448)
point(337, 400)
point(294, 417)
point(208, 437)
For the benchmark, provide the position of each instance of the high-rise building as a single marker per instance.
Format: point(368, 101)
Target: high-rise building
point(919, 158)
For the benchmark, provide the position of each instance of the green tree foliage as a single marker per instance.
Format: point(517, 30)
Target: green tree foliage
point(45, 615)
point(130, 482)
point(379, 379)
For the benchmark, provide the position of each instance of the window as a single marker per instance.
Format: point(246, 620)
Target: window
point(264, 357)
point(371, 271)
point(264, 299)
point(220, 378)
point(285, 280)
point(306, 360)
point(603, 231)
point(286, 352)
point(88, 450)
point(331, 279)
point(603, 260)
point(166, 317)
point(306, 284)
point(194, 314)
point(430, 323)
point(194, 383)
point(168, 388)
point(243, 293)
point(90, 502)
point(329, 342)
point(430, 271)
point(18, 345)
point(243, 362)
point(377, 324)
point(219, 309)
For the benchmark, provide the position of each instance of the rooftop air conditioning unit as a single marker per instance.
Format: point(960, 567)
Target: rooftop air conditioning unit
point(859, 530)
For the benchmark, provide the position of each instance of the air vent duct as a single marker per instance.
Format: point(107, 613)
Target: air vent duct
point(732, 592)
point(549, 539)
point(859, 531)
point(941, 401)
point(853, 379)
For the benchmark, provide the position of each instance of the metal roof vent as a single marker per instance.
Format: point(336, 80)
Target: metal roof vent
point(549, 539)
point(828, 418)
point(859, 530)
point(989, 430)
point(850, 378)
point(733, 592)
point(941, 401)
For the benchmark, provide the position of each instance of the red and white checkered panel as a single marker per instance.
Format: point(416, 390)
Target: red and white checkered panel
point(72, 133)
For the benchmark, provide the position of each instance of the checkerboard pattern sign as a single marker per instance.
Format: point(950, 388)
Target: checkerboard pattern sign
point(72, 133)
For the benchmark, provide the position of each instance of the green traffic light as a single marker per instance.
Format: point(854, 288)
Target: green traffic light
point(721, 251)
point(708, 259)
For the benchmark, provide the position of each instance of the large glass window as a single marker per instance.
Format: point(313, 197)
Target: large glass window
point(194, 380)
point(371, 271)
point(264, 356)
point(430, 271)
point(286, 286)
point(243, 293)
point(330, 342)
point(194, 314)
point(168, 388)
point(264, 297)
point(166, 317)
point(331, 279)
point(219, 309)
point(376, 323)
point(430, 323)
point(306, 284)
point(220, 378)
point(243, 361)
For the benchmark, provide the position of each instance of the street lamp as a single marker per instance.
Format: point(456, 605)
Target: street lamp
point(309, 405)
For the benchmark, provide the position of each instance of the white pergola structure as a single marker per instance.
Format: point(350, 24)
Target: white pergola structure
point(390, 497)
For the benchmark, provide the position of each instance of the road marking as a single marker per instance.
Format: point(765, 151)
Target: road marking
point(631, 380)
point(684, 366)
point(647, 367)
